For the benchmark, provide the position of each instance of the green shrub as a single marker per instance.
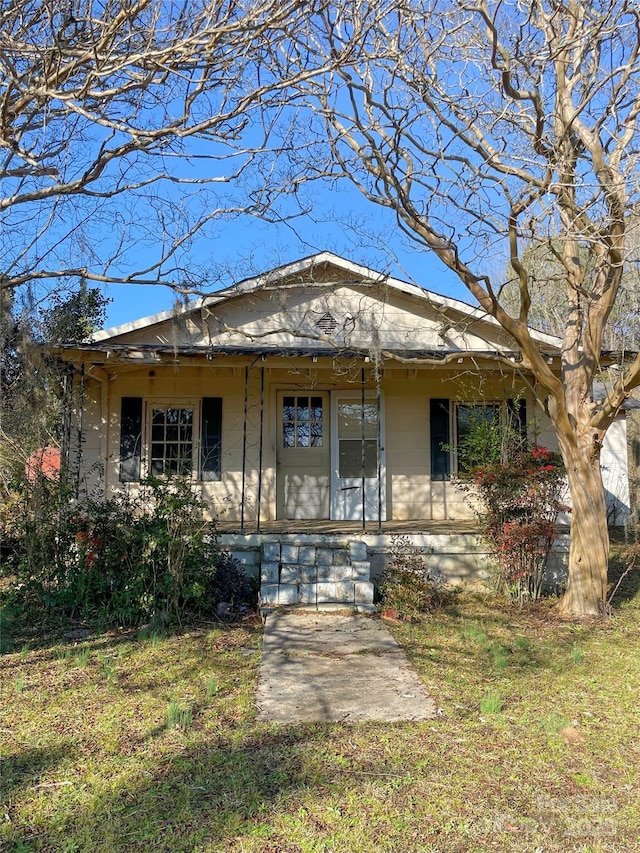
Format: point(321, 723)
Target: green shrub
point(519, 506)
point(519, 490)
point(127, 560)
point(408, 586)
point(231, 584)
point(11, 514)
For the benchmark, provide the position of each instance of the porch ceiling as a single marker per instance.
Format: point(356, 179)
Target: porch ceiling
point(99, 352)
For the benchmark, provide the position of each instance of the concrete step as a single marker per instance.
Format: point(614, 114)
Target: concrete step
point(325, 592)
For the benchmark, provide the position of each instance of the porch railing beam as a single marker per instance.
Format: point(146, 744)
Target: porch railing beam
point(244, 447)
point(260, 447)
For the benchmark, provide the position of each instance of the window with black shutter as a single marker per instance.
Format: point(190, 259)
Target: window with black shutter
point(517, 418)
point(211, 438)
point(130, 439)
point(440, 439)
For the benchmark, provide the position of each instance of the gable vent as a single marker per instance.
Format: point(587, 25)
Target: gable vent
point(327, 324)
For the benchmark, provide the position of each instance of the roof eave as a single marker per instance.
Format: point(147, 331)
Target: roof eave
point(359, 272)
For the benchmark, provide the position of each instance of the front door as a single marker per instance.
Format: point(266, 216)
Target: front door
point(303, 455)
point(357, 465)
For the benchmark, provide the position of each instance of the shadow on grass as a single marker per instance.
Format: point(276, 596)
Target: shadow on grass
point(624, 583)
point(200, 796)
point(494, 640)
point(64, 643)
point(48, 635)
point(26, 768)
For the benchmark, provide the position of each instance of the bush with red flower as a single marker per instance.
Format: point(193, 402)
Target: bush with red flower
point(519, 502)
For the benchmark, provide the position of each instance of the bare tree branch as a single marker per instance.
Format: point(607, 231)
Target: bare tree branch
point(487, 127)
point(101, 107)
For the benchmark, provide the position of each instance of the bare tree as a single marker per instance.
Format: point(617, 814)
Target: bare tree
point(486, 126)
point(547, 285)
point(121, 125)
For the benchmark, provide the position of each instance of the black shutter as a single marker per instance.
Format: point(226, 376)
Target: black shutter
point(440, 440)
point(130, 439)
point(211, 439)
point(518, 417)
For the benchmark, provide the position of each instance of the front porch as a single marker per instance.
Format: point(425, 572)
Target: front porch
point(356, 528)
point(328, 562)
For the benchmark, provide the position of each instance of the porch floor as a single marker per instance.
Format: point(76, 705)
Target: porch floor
point(324, 527)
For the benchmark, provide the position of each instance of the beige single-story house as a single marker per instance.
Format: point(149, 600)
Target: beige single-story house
point(316, 408)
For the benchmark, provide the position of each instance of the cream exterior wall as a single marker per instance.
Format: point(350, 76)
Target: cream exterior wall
point(367, 317)
point(190, 384)
point(407, 392)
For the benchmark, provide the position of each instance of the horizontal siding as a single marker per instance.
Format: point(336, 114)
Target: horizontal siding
point(370, 313)
point(406, 393)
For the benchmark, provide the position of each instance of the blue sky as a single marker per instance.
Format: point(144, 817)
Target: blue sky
point(240, 248)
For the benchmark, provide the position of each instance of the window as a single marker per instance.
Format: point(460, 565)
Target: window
point(452, 425)
point(440, 425)
point(171, 441)
point(180, 439)
point(130, 439)
point(478, 430)
point(302, 421)
point(357, 439)
point(211, 438)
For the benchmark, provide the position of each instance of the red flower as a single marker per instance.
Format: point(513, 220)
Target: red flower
point(540, 453)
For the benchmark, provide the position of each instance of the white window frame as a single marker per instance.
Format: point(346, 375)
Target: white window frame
point(172, 403)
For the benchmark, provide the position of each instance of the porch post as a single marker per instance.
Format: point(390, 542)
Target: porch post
point(244, 446)
point(79, 434)
point(362, 451)
point(379, 456)
point(65, 436)
point(260, 447)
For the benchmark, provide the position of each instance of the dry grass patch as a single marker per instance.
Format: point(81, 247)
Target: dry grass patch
point(535, 749)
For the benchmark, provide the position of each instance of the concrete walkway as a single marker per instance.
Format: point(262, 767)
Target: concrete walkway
point(330, 666)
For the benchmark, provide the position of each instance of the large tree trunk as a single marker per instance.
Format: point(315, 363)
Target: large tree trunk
point(589, 550)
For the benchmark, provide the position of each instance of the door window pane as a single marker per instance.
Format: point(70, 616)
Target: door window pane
point(302, 421)
point(288, 409)
point(288, 435)
point(302, 435)
point(354, 419)
point(316, 434)
point(350, 458)
point(316, 408)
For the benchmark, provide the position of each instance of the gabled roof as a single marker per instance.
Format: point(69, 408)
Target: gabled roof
point(301, 271)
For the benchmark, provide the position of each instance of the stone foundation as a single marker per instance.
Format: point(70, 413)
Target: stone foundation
point(329, 569)
point(315, 573)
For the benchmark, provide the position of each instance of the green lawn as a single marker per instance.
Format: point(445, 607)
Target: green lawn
point(536, 746)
